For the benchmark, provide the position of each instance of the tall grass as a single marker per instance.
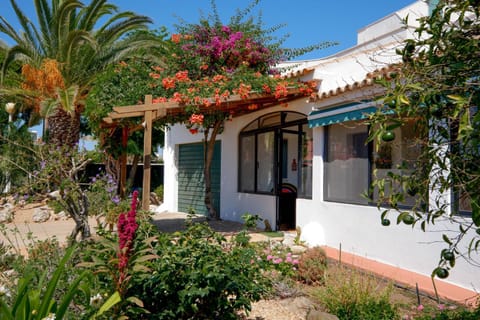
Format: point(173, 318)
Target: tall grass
point(351, 294)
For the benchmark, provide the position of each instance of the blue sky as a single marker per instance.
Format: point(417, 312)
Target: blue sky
point(307, 21)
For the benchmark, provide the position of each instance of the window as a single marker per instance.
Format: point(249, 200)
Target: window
point(346, 166)
point(466, 156)
point(247, 152)
point(351, 163)
point(397, 156)
point(306, 163)
point(265, 170)
point(276, 149)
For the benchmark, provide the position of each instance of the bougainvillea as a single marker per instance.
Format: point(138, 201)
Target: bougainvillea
point(211, 62)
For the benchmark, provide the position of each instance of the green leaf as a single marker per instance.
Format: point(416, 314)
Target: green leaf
point(140, 268)
point(22, 293)
point(476, 212)
point(68, 297)
point(147, 258)
point(446, 239)
point(404, 100)
point(455, 98)
point(111, 301)
point(401, 216)
point(5, 312)
point(52, 285)
point(136, 301)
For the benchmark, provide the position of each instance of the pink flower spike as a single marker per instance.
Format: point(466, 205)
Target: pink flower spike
point(441, 307)
point(420, 307)
point(295, 261)
point(269, 257)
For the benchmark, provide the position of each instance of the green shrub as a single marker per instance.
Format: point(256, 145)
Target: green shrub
point(201, 276)
point(251, 220)
point(462, 314)
point(159, 192)
point(312, 266)
point(352, 295)
point(7, 258)
point(38, 299)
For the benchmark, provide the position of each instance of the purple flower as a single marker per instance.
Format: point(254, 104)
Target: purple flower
point(226, 29)
point(116, 199)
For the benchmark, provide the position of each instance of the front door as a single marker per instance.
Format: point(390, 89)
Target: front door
point(275, 158)
point(288, 143)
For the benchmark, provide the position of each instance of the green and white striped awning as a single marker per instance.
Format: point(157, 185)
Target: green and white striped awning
point(339, 114)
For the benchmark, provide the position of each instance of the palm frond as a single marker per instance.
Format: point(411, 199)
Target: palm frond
point(44, 17)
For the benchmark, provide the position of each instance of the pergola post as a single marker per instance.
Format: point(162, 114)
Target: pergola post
point(147, 154)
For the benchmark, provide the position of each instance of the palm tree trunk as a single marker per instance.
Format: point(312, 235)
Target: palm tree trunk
point(63, 128)
point(208, 151)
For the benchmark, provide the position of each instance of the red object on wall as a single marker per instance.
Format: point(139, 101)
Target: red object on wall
point(294, 165)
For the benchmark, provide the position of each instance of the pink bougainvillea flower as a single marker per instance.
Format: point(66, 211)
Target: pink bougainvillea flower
point(168, 83)
point(182, 76)
point(196, 118)
point(154, 75)
point(176, 38)
point(159, 100)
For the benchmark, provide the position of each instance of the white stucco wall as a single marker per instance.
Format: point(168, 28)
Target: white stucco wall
point(358, 230)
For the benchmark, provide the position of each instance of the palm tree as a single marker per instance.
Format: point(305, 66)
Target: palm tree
point(63, 52)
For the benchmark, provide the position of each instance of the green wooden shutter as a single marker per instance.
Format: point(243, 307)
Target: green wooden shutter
point(191, 183)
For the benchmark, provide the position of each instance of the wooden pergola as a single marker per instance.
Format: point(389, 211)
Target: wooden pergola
point(150, 112)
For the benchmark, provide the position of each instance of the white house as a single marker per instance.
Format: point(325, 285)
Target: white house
point(307, 164)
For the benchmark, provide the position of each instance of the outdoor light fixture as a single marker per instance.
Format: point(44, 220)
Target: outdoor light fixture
point(10, 107)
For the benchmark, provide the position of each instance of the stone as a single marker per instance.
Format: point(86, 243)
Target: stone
point(55, 195)
point(6, 214)
point(41, 214)
point(288, 239)
point(62, 215)
point(319, 315)
point(298, 249)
